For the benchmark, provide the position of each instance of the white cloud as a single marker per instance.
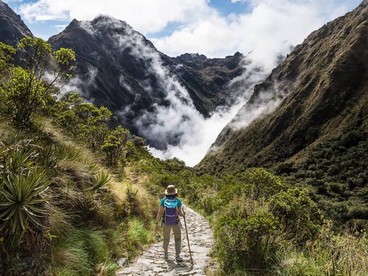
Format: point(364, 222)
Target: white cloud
point(200, 133)
point(270, 29)
point(176, 121)
point(266, 31)
point(145, 16)
point(60, 27)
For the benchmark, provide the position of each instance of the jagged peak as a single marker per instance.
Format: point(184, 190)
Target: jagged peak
point(192, 56)
point(14, 29)
point(106, 22)
point(102, 24)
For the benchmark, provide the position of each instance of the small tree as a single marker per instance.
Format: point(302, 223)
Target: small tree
point(25, 88)
point(84, 120)
point(6, 56)
point(114, 143)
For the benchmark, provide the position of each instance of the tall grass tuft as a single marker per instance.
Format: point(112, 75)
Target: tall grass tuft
point(99, 180)
point(107, 268)
point(80, 252)
point(329, 254)
point(138, 235)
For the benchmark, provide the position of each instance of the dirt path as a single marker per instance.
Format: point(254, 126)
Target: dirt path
point(152, 261)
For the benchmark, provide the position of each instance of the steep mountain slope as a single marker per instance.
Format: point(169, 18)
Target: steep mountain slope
point(12, 28)
point(210, 77)
point(119, 68)
point(323, 89)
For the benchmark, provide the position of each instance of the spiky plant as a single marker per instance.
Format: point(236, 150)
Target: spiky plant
point(99, 180)
point(17, 158)
point(22, 186)
point(22, 201)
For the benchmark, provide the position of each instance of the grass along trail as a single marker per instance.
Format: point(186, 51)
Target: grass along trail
point(152, 261)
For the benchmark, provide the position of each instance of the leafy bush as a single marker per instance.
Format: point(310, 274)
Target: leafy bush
point(99, 180)
point(300, 218)
point(246, 236)
point(23, 206)
point(262, 183)
point(25, 89)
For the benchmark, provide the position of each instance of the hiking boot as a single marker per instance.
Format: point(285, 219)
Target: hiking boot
point(166, 256)
point(179, 259)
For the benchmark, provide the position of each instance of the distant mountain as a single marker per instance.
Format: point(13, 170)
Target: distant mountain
point(323, 90)
point(119, 68)
point(12, 28)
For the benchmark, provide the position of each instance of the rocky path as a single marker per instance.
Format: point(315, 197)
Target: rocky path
point(152, 261)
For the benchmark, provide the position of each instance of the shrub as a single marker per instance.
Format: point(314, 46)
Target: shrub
point(262, 183)
point(99, 180)
point(22, 201)
point(339, 254)
point(246, 236)
point(299, 215)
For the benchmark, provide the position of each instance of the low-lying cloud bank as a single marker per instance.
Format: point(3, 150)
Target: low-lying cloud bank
point(269, 30)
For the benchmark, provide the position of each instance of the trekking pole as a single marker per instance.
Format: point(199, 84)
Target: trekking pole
point(186, 231)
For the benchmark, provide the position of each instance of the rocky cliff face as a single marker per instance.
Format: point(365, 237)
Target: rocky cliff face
point(12, 28)
point(323, 90)
point(210, 78)
point(119, 68)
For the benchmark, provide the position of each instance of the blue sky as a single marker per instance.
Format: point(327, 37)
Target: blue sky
point(213, 27)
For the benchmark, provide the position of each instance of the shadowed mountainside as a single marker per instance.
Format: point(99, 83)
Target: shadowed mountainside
point(12, 28)
point(119, 68)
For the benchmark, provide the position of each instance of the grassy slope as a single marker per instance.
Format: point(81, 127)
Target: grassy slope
point(100, 227)
point(89, 230)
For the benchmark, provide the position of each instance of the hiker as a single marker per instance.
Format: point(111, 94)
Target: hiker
point(170, 210)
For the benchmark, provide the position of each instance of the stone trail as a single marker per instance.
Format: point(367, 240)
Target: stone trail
point(152, 261)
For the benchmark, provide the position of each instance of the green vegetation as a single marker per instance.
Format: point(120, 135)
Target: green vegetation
point(62, 211)
point(262, 224)
point(24, 89)
point(76, 195)
point(336, 172)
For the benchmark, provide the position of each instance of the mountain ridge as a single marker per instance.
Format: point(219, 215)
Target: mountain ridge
point(121, 69)
point(321, 82)
point(12, 28)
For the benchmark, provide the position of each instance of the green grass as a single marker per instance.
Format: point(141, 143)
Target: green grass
point(79, 252)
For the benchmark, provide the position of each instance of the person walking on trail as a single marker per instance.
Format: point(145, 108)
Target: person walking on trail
point(168, 214)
